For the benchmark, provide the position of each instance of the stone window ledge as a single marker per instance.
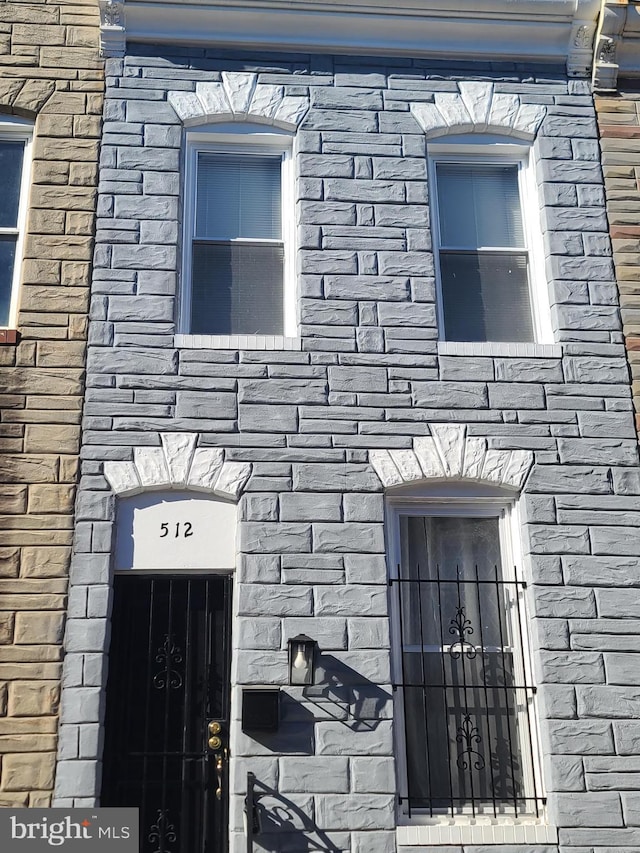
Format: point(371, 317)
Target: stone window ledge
point(499, 348)
point(9, 336)
point(490, 833)
point(238, 342)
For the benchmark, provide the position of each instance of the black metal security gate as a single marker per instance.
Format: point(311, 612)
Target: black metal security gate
point(167, 714)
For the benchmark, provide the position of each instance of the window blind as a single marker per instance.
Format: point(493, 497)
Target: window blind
point(484, 264)
point(11, 157)
point(7, 261)
point(237, 288)
point(486, 296)
point(238, 251)
point(238, 195)
point(479, 206)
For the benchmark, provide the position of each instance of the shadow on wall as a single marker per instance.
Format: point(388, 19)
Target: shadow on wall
point(343, 697)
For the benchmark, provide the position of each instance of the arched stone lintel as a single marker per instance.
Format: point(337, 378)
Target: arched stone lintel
point(24, 98)
point(239, 97)
point(450, 454)
point(178, 464)
point(477, 108)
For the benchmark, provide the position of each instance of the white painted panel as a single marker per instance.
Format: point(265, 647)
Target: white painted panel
point(169, 530)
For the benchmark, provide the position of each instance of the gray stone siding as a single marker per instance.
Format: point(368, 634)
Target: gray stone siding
point(368, 375)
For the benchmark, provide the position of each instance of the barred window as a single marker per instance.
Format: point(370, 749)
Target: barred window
point(462, 679)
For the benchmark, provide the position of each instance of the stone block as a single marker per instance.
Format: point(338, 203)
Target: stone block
point(564, 602)
point(206, 404)
point(298, 506)
point(363, 507)
point(565, 773)
point(380, 842)
point(580, 737)
point(33, 698)
point(336, 738)
point(571, 667)
point(77, 778)
point(450, 395)
point(609, 702)
point(313, 477)
point(587, 809)
point(372, 775)
point(330, 633)
point(270, 538)
point(615, 540)
point(45, 561)
point(278, 391)
point(355, 811)
point(274, 600)
point(34, 628)
point(348, 537)
point(314, 774)
point(28, 771)
point(351, 600)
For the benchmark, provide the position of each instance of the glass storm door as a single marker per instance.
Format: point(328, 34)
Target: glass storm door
point(167, 710)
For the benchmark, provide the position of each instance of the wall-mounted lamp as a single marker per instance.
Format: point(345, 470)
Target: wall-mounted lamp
point(302, 660)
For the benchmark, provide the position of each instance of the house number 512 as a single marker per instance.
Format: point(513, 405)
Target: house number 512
point(182, 528)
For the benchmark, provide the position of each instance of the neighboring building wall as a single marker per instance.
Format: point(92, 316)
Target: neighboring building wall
point(50, 72)
point(619, 126)
point(368, 375)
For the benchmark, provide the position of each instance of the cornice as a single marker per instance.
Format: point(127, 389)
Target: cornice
point(617, 47)
point(556, 31)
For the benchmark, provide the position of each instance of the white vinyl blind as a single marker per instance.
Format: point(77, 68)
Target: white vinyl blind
point(484, 264)
point(238, 249)
point(238, 196)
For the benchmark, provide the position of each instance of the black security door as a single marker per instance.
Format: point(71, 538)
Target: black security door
point(167, 710)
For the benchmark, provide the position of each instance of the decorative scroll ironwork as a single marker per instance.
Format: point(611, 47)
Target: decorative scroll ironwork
point(168, 655)
point(468, 702)
point(468, 734)
point(461, 627)
point(162, 833)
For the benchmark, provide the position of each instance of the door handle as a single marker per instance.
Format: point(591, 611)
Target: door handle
point(221, 757)
point(215, 743)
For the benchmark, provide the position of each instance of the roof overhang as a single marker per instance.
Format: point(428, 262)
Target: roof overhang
point(550, 31)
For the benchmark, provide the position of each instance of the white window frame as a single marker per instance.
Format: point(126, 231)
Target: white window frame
point(13, 129)
point(250, 139)
point(494, 151)
point(421, 827)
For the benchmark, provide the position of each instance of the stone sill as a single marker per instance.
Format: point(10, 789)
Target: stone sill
point(495, 833)
point(499, 348)
point(9, 336)
point(238, 342)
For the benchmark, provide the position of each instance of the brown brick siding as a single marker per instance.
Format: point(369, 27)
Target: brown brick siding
point(49, 71)
point(619, 124)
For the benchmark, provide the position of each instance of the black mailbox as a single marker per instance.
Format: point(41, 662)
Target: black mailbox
point(260, 710)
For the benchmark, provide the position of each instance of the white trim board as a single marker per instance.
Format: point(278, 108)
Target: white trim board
point(531, 30)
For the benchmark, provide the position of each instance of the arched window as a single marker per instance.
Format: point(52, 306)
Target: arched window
point(238, 263)
point(15, 141)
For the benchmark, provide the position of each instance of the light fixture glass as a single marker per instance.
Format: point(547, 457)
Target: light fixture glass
point(302, 660)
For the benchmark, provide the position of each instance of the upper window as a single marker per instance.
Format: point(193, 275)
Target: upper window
point(484, 250)
point(462, 672)
point(14, 141)
point(238, 249)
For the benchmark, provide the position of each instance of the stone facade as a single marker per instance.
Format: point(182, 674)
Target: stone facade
point(619, 126)
point(50, 73)
point(332, 420)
